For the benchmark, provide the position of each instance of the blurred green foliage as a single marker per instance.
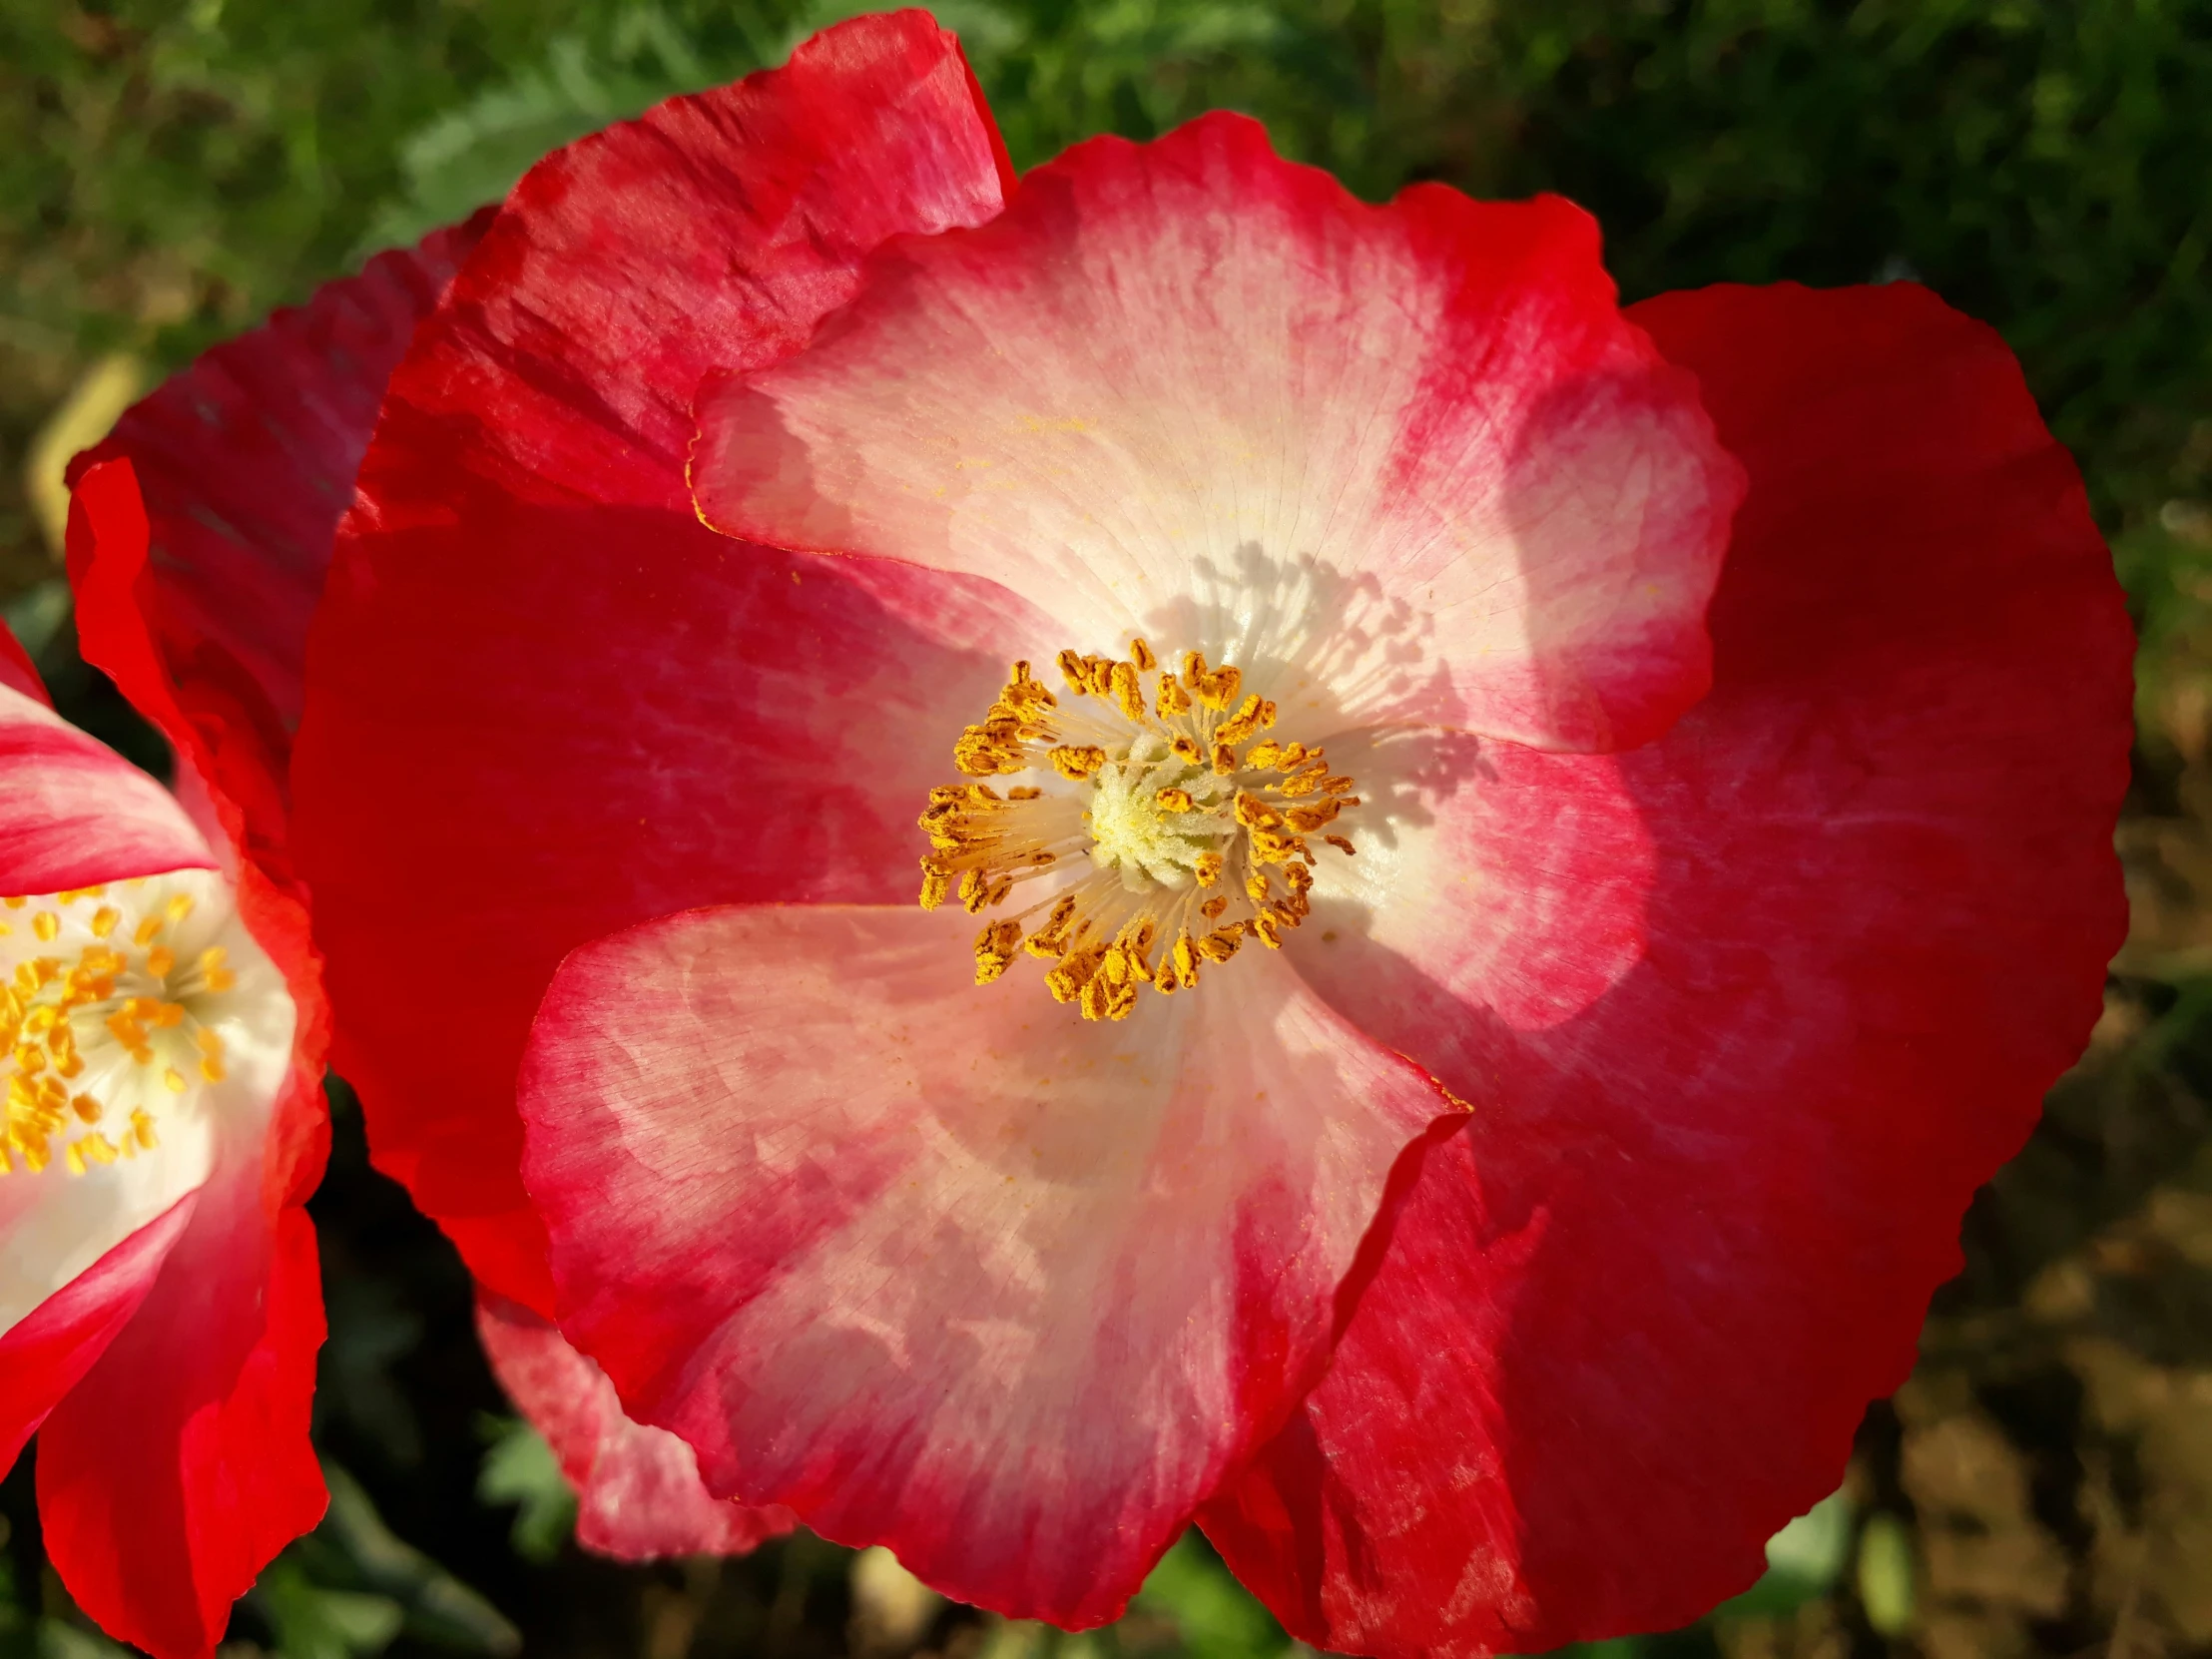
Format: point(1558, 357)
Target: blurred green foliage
point(172, 171)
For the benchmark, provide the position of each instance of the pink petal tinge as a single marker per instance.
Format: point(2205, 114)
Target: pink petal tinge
point(638, 1495)
point(1168, 375)
point(943, 1267)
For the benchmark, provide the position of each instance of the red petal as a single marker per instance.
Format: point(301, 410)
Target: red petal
point(638, 1492)
point(17, 672)
point(74, 814)
point(42, 1356)
point(1171, 376)
point(176, 1470)
point(544, 701)
point(1629, 1320)
point(246, 461)
point(943, 1268)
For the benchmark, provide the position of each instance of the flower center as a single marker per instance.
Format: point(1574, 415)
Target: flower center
point(1166, 825)
point(113, 1004)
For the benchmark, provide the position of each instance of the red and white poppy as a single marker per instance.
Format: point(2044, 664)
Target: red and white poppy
point(1463, 926)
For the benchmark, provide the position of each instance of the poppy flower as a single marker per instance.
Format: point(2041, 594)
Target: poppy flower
point(175, 1467)
point(163, 1043)
point(247, 460)
point(1417, 960)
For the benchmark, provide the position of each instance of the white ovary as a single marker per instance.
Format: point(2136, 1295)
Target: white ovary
point(1129, 832)
point(144, 1027)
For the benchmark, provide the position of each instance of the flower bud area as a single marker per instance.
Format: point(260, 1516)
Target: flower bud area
point(134, 1016)
point(1163, 827)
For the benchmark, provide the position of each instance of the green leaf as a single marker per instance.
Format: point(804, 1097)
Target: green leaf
point(311, 1621)
point(1215, 1615)
point(474, 154)
point(520, 1469)
point(1885, 1589)
point(353, 1549)
point(1804, 1561)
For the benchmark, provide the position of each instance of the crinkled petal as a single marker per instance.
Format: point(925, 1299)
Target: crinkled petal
point(43, 1355)
point(1692, 1228)
point(543, 700)
point(179, 1465)
point(1173, 380)
point(638, 1492)
point(949, 1267)
point(246, 461)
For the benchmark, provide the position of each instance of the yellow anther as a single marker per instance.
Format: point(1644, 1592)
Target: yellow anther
point(180, 906)
point(174, 1080)
point(1214, 906)
point(1023, 688)
point(1255, 887)
point(73, 1158)
point(1173, 699)
point(995, 949)
point(87, 1108)
point(1264, 928)
point(1221, 943)
point(1074, 673)
point(1023, 791)
point(1141, 654)
point(1262, 757)
point(148, 930)
point(1242, 725)
point(1255, 814)
point(160, 961)
point(1217, 689)
point(98, 1148)
point(975, 885)
point(1340, 845)
point(1308, 818)
point(1066, 981)
point(104, 920)
point(1225, 760)
point(1176, 801)
point(1208, 869)
point(935, 885)
point(47, 925)
point(1051, 939)
point(1076, 762)
point(14, 903)
point(1128, 695)
point(142, 1131)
